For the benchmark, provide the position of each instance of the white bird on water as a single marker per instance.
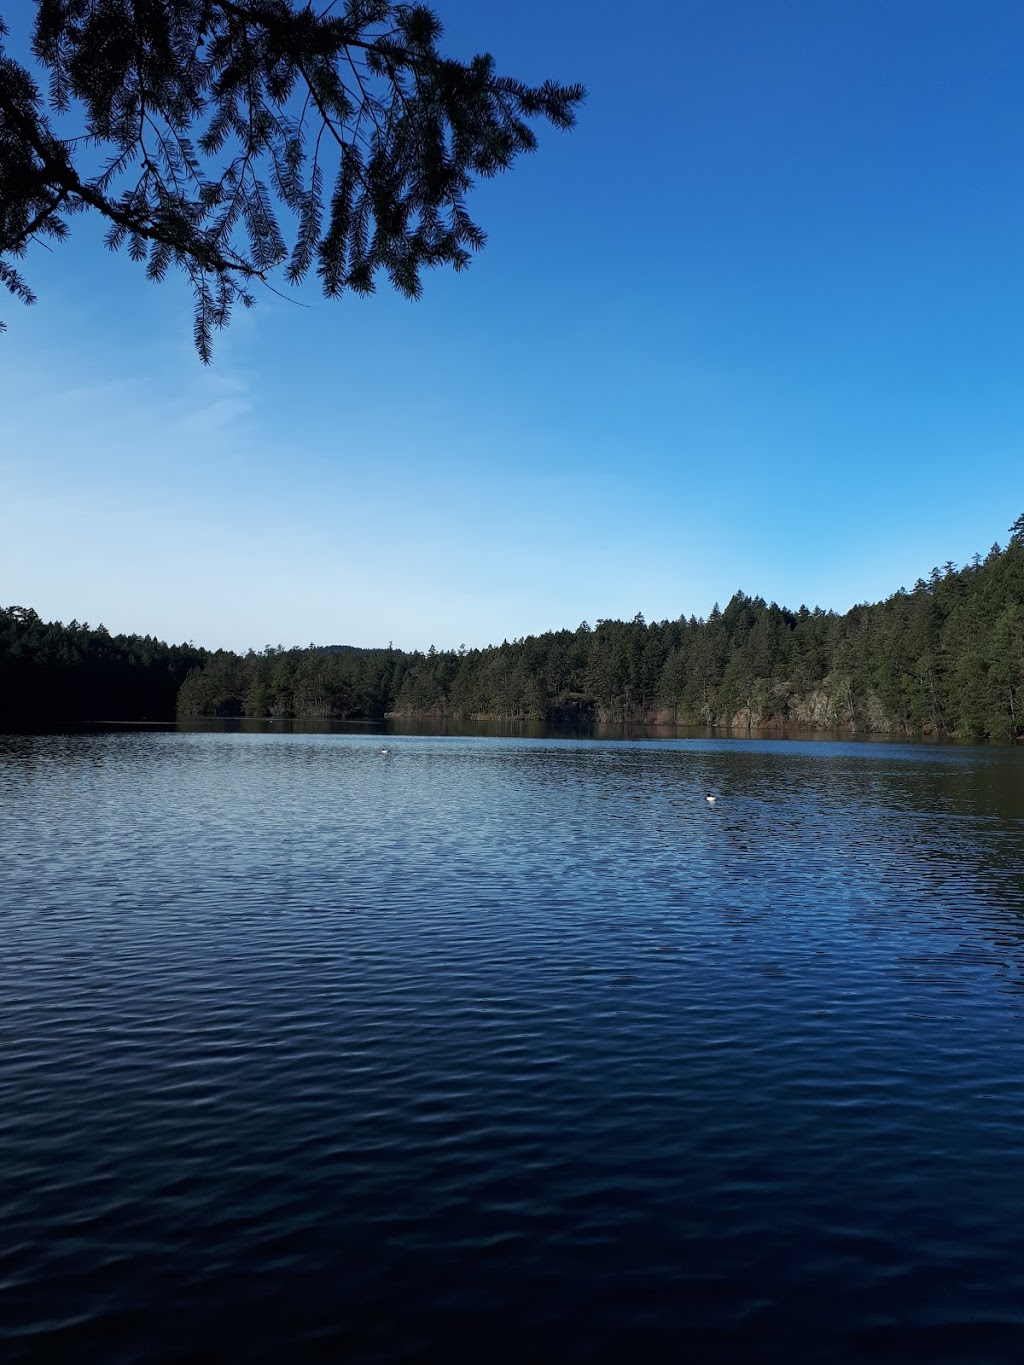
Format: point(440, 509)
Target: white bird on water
point(710, 799)
point(385, 751)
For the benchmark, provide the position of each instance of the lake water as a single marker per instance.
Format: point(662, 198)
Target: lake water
point(498, 1049)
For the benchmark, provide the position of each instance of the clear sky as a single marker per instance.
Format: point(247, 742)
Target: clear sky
point(757, 323)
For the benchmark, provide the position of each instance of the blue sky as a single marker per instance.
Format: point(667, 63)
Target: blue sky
point(756, 323)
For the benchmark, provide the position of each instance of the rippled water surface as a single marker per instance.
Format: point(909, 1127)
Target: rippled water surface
point(510, 1049)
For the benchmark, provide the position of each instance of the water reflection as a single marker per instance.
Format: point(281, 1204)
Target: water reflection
point(508, 1048)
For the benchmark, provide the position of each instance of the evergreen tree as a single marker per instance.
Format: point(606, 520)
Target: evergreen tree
point(947, 658)
point(238, 136)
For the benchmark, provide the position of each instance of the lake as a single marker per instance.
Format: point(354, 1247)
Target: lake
point(510, 1049)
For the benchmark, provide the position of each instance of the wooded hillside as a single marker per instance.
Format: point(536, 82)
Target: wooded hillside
point(945, 657)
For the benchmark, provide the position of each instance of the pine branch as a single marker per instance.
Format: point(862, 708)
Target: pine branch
point(185, 82)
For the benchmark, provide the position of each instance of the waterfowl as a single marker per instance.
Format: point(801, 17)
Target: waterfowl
point(385, 751)
point(710, 799)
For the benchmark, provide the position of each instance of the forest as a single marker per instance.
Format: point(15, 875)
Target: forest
point(945, 657)
point(50, 672)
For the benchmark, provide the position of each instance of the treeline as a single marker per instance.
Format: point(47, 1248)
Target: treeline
point(51, 672)
point(945, 657)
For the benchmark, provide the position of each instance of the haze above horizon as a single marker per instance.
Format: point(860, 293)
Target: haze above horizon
point(755, 324)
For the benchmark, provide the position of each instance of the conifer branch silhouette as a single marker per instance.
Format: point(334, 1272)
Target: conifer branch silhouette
point(199, 114)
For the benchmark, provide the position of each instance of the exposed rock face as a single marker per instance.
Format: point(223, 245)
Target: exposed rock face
point(826, 707)
point(781, 707)
point(812, 711)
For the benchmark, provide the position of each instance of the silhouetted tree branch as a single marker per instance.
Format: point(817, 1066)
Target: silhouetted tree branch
point(204, 141)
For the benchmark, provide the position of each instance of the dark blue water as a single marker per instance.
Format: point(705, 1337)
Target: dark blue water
point(509, 1050)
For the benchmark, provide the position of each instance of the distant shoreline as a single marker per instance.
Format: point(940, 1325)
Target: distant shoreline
point(945, 659)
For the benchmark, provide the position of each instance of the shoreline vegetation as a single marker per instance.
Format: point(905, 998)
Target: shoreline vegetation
point(945, 658)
